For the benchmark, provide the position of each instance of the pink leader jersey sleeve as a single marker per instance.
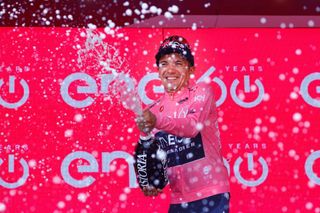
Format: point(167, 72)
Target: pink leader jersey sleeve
point(202, 104)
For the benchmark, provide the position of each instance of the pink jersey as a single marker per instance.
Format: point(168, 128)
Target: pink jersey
point(187, 130)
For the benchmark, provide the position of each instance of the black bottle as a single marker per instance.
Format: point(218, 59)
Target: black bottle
point(150, 163)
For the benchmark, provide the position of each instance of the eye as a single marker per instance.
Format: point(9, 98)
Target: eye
point(162, 63)
point(179, 63)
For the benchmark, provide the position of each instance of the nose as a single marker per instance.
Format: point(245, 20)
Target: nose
point(171, 67)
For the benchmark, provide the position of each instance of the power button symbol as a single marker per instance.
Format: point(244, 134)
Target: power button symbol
point(309, 167)
point(22, 179)
point(12, 88)
point(251, 183)
point(305, 86)
point(247, 90)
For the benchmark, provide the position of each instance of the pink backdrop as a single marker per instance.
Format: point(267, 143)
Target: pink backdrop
point(267, 84)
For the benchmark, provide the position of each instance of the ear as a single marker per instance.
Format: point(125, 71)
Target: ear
point(192, 70)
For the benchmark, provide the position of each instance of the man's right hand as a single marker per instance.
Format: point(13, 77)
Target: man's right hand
point(146, 122)
point(151, 191)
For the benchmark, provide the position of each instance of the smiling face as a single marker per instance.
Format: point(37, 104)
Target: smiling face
point(174, 72)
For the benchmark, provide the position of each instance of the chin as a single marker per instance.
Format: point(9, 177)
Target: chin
point(172, 90)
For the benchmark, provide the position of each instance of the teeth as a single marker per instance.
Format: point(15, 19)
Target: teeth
point(171, 78)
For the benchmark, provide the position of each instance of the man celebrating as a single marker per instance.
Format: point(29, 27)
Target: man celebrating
point(184, 122)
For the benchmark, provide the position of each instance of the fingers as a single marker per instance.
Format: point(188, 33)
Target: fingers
point(148, 115)
point(150, 119)
point(143, 125)
point(146, 122)
point(151, 191)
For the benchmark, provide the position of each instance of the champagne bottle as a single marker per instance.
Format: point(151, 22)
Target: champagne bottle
point(150, 163)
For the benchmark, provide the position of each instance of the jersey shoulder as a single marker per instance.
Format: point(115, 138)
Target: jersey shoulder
point(201, 88)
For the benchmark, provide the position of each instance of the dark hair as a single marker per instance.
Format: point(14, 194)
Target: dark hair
point(175, 44)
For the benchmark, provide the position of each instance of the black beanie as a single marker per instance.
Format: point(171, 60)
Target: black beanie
point(175, 44)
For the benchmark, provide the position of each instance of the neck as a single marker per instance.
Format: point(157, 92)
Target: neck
point(173, 93)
